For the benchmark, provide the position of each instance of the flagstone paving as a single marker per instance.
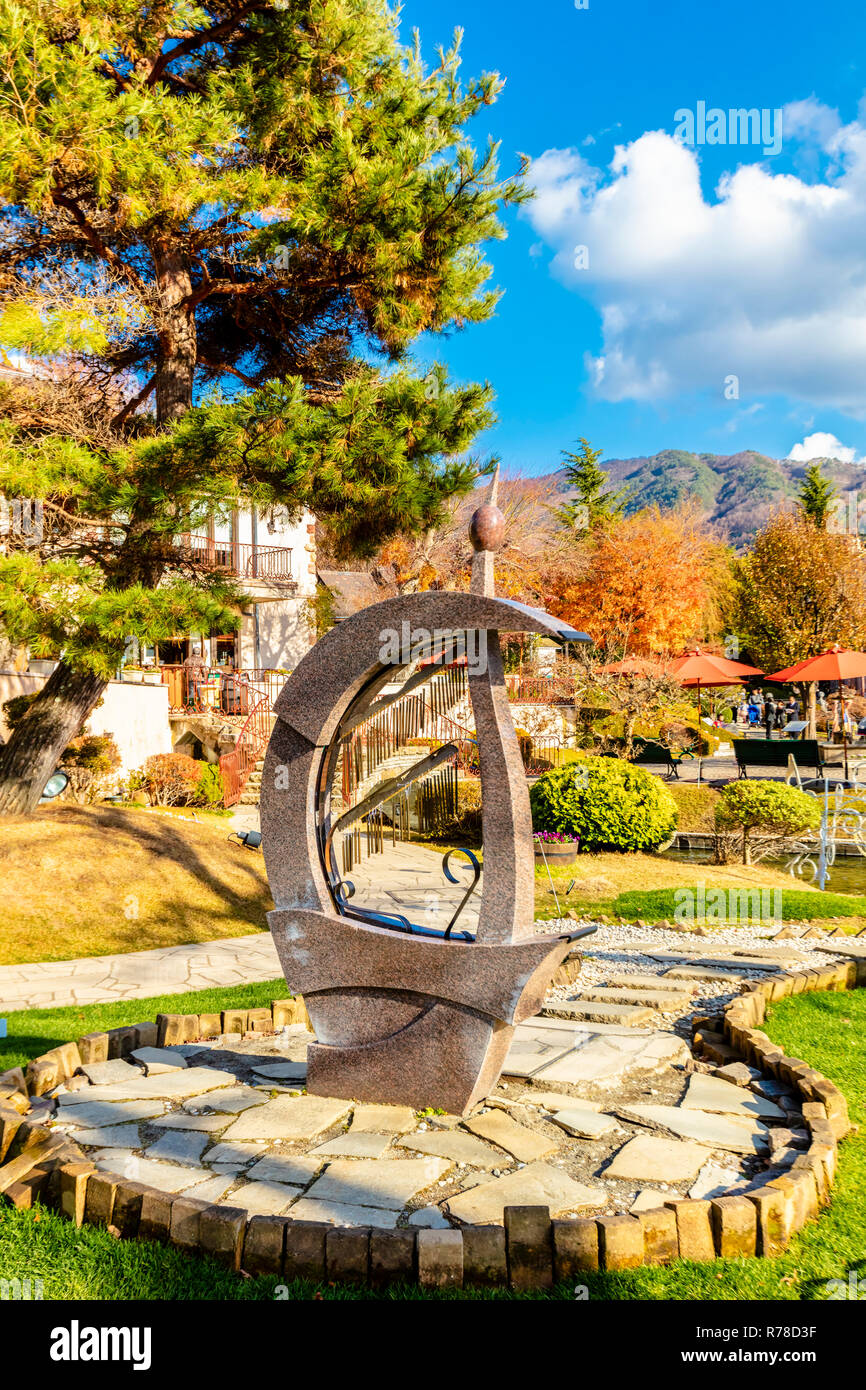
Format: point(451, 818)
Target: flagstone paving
point(457, 1146)
point(211, 1190)
point(282, 1071)
point(179, 1146)
point(139, 974)
point(290, 1117)
point(108, 1136)
point(738, 1134)
point(383, 1119)
point(649, 1159)
point(716, 1180)
point(352, 1145)
point(107, 1073)
point(156, 1060)
point(296, 1170)
point(342, 1214)
point(589, 1117)
point(522, 1143)
point(230, 1101)
point(648, 1199)
point(182, 1120)
point(583, 1123)
point(97, 1113)
point(711, 1093)
point(538, 1184)
point(389, 1184)
point(170, 1177)
point(234, 1151)
point(265, 1198)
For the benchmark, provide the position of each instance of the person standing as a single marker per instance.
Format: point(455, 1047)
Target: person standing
point(195, 673)
point(769, 716)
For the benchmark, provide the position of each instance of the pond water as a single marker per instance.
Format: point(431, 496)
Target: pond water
point(847, 875)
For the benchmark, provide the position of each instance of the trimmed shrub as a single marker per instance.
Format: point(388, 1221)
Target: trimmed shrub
point(171, 779)
point(209, 791)
point(764, 811)
point(88, 762)
point(608, 804)
point(15, 709)
point(97, 752)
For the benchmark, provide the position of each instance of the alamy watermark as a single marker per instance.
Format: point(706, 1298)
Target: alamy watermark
point(21, 1290)
point(409, 644)
point(737, 126)
point(21, 516)
point(846, 515)
point(748, 906)
point(854, 1287)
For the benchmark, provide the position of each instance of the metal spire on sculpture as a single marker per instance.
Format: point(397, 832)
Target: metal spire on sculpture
point(486, 532)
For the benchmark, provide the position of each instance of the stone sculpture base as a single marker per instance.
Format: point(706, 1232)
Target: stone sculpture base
point(448, 1059)
point(414, 1020)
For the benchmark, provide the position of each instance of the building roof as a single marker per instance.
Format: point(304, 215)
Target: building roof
point(353, 590)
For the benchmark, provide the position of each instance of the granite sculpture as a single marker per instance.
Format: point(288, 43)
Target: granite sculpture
point(402, 1013)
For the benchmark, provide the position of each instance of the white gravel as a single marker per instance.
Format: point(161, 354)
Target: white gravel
point(612, 949)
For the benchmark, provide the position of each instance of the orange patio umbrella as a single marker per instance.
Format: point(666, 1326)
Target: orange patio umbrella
point(835, 664)
point(634, 666)
point(697, 668)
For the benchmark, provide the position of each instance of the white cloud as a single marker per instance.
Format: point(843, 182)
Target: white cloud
point(822, 445)
point(766, 281)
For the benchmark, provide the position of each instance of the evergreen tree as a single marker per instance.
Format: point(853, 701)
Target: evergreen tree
point(224, 227)
point(590, 504)
point(816, 497)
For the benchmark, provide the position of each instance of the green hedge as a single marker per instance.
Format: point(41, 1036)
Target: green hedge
point(609, 804)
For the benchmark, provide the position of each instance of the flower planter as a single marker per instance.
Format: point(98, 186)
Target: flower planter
point(556, 851)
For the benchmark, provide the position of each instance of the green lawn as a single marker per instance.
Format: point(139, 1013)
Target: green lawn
point(829, 1030)
point(793, 904)
point(34, 1031)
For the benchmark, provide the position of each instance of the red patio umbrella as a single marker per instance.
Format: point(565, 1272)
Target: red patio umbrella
point(634, 666)
point(835, 664)
point(697, 668)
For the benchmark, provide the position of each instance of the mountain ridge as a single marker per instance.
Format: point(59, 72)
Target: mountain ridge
point(738, 492)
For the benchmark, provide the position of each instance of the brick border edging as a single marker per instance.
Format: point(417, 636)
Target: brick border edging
point(529, 1251)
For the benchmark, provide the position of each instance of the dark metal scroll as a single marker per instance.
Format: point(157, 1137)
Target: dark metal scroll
point(453, 879)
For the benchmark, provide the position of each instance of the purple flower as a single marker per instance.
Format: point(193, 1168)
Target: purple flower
point(557, 837)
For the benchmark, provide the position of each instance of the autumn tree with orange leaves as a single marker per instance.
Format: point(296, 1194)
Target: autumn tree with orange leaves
point(644, 584)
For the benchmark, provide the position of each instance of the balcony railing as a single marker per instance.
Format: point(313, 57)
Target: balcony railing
point(273, 562)
point(230, 692)
point(542, 690)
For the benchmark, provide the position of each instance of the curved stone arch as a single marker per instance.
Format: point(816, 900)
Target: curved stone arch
point(439, 1030)
point(345, 672)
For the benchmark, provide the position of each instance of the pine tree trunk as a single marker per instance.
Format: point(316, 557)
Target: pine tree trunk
point(34, 749)
point(178, 342)
point(37, 743)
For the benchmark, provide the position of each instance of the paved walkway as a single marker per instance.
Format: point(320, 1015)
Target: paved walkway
point(234, 960)
point(407, 877)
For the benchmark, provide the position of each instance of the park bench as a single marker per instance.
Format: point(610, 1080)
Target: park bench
point(766, 752)
point(648, 752)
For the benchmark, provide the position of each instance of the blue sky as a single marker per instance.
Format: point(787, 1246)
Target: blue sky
point(688, 284)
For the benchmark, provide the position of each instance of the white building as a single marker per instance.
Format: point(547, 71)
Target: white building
point(274, 561)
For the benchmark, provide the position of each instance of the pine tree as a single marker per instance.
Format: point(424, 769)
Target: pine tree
point(224, 227)
point(816, 497)
point(590, 504)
